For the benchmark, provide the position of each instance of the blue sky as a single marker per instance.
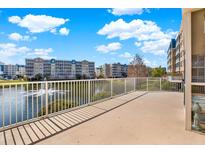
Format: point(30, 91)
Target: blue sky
point(99, 35)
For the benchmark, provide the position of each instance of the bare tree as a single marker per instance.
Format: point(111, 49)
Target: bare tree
point(137, 60)
point(137, 63)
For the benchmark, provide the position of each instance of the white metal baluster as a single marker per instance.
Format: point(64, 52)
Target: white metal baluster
point(87, 89)
point(51, 97)
point(16, 102)
point(76, 93)
point(62, 96)
point(55, 93)
point(37, 99)
point(68, 92)
point(82, 89)
point(91, 92)
point(71, 94)
point(79, 93)
point(3, 103)
point(74, 97)
point(102, 87)
point(46, 95)
point(32, 101)
point(111, 87)
point(125, 86)
point(10, 104)
point(27, 103)
point(85, 101)
point(58, 97)
point(22, 115)
point(160, 82)
point(147, 84)
point(88, 92)
point(83, 92)
point(42, 100)
point(65, 94)
point(133, 84)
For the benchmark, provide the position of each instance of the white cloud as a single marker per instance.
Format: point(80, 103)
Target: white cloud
point(19, 37)
point(109, 48)
point(10, 49)
point(148, 34)
point(127, 56)
point(156, 47)
point(38, 23)
point(139, 29)
point(40, 52)
point(138, 44)
point(147, 62)
point(127, 11)
point(64, 31)
point(14, 19)
point(11, 53)
point(54, 31)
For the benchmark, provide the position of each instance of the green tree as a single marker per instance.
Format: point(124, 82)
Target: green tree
point(100, 76)
point(39, 77)
point(158, 72)
point(78, 76)
point(46, 76)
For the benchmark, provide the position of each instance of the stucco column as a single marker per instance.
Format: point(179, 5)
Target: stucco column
point(188, 69)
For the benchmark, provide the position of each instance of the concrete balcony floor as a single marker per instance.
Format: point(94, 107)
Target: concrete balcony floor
point(154, 118)
point(134, 118)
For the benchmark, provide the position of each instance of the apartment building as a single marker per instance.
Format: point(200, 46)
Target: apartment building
point(1, 68)
point(106, 70)
point(59, 69)
point(171, 57)
point(137, 71)
point(88, 69)
point(115, 70)
point(194, 45)
point(10, 71)
point(180, 54)
point(99, 72)
point(20, 70)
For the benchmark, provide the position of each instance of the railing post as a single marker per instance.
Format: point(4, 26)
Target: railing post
point(160, 81)
point(3, 97)
point(147, 83)
point(46, 91)
point(111, 87)
point(125, 87)
point(89, 91)
point(134, 84)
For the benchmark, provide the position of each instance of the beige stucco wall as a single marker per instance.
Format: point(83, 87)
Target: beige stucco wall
point(198, 35)
point(186, 21)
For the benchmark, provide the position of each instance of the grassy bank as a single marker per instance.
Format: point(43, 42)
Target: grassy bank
point(12, 81)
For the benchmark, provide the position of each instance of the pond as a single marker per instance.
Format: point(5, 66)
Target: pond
point(20, 103)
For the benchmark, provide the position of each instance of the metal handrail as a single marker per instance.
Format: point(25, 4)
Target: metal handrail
point(25, 101)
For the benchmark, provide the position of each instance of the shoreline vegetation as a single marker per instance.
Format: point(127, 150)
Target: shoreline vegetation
point(12, 81)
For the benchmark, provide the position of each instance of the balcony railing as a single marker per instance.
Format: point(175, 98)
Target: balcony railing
point(27, 101)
